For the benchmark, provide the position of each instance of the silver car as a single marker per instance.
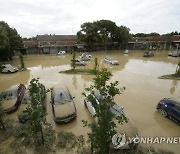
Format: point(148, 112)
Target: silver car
point(126, 51)
point(78, 62)
point(111, 60)
point(85, 56)
point(61, 53)
point(127, 128)
point(8, 68)
point(175, 54)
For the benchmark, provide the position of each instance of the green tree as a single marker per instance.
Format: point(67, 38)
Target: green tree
point(33, 38)
point(88, 34)
point(21, 60)
point(106, 29)
point(73, 61)
point(102, 32)
point(10, 41)
point(102, 132)
point(35, 111)
point(146, 35)
point(121, 35)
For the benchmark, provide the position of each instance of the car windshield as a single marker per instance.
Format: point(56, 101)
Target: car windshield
point(7, 95)
point(62, 97)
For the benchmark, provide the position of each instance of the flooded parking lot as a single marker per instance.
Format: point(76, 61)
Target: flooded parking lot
point(136, 73)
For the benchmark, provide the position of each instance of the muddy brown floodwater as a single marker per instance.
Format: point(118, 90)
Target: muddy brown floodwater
point(136, 73)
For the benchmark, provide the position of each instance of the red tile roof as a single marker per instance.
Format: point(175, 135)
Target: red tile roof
point(30, 43)
point(56, 37)
point(175, 38)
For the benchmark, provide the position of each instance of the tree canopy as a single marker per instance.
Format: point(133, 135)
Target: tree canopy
point(33, 38)
point(146, 35)
point(172, 33)
point(102, 131)
point(103, 32)
point(10, 41)
point(155, 34)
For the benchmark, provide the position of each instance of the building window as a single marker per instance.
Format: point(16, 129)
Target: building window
point(52, 43)
point(43, 43)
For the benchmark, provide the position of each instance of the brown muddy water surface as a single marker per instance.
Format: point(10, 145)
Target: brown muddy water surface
point(136, 73)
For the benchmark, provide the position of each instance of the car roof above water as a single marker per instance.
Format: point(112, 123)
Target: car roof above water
point(109, 57)
point(7, 65)
point(61, 94)
point(174, 99)
point(114, 109)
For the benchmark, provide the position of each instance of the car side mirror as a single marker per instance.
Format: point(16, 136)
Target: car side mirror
point(73, 97)
point(122, 107)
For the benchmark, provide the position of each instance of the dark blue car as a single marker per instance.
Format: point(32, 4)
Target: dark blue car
point(169, 107)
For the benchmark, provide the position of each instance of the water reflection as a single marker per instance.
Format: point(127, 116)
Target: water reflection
point(8, 80)
point(74, 81)
point(165, 123)
point(174, 85)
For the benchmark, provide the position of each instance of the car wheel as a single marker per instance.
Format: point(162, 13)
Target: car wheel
point(9, 71)
point(85, 104)
point(163, 112)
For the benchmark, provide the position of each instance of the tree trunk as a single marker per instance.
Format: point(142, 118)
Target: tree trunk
point(104, 46)
point(91, 148)
point(119, 46)
point(42, 136)
point(3, 125)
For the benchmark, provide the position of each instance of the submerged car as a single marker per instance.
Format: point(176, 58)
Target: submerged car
point(22, 116)
point(8, 68)
point(175, 54)
point(148, 54)
point(86, 54)
point(78, 62)
point(111, 60)
point(126, 51)
point(170, 53)
point(169, 107)
point(61, 53)
point(84, 58)
point(127, 129)
point(63, 106)
point(12, 98)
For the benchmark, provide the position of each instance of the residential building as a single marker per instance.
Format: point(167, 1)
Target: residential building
point(55, 43)
point(69, 43)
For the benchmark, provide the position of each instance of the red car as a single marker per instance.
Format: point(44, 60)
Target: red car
point(12, 97)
